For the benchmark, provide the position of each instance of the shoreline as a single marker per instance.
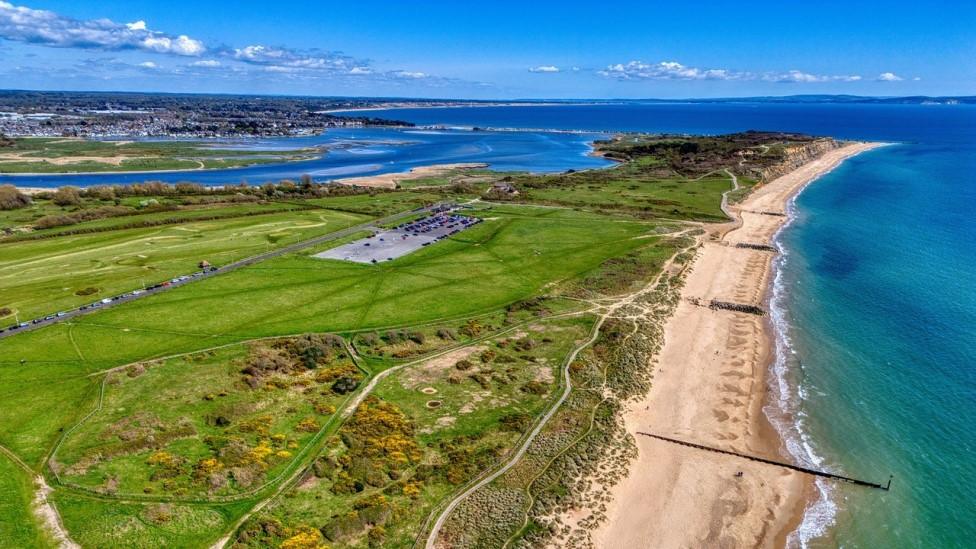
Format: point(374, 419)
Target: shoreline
point(712, 385)
point(400, 106)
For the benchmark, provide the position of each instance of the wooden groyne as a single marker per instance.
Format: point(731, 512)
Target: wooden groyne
point(822, 474)
point(737, 307)
point(751, 246)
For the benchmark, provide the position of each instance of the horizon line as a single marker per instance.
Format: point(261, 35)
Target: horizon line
point(499, 99)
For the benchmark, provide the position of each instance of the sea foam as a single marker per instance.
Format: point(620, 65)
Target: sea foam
point(788, 393)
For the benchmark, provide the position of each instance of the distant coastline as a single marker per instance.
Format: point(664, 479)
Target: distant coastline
point(461, 105)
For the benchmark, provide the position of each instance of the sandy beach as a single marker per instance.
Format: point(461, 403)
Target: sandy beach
point(390, 180)
point(710, 387)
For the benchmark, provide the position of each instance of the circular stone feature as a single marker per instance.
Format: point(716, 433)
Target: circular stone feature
point(429, 391)
point(433, 404)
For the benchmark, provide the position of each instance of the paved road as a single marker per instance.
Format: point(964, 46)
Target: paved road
point(73, 313)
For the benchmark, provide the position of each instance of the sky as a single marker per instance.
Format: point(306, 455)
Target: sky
point(496, 50)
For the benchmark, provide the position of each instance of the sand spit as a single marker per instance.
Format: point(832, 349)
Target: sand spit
point(390, 180)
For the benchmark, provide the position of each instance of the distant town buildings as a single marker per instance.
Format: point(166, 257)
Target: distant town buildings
point(84, 114)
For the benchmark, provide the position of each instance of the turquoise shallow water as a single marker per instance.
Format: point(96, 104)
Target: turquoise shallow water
point(879, 295)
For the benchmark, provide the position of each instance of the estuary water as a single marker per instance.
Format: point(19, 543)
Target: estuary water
point(874, 303)
point(368, 151)
point(874, 300)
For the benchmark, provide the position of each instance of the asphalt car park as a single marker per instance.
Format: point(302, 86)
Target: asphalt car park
point(401, 240)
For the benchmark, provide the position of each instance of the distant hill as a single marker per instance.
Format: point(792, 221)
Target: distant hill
point(910, 100)
point(35, 100)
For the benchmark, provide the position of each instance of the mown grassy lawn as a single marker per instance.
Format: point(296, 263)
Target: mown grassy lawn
point(512, 255)
point(43, 276)
point(172, 217)
point(41, 207)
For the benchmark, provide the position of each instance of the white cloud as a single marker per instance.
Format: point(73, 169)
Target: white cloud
point(22, 24)
point(259, 54)
point(544, 68)
point(795, 76)
point(410, 74)
point(673, 70)
point(917, 78)
point(181, 45)
point(666, 70)
point(47, 28)
point(889, 77)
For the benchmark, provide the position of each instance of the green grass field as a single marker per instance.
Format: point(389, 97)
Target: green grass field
point(44, 276)
point(102, 524)
point(635, 188)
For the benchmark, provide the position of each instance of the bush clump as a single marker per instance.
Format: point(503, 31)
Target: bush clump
point(12, 199)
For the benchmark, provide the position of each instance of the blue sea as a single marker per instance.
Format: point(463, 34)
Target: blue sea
point(874, 301)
